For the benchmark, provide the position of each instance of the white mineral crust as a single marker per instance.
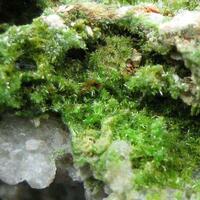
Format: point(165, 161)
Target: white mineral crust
point(182, 21)
point(54, 21)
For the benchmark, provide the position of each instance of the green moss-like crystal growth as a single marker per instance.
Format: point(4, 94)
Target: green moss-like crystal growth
point(124, 86)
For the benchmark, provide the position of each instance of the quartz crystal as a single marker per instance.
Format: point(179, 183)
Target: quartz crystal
point(28, 153)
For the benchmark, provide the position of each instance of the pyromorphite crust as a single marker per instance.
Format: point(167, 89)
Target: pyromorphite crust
point(123, 80)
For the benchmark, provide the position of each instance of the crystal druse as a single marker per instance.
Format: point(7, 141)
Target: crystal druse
point(124, 79)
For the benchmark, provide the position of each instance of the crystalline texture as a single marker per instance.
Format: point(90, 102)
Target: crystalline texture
point(26, 151)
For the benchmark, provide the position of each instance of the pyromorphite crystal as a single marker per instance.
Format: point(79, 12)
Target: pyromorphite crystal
point(126, 82)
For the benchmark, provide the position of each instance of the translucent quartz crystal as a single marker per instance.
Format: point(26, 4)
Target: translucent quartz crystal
point(28, 152)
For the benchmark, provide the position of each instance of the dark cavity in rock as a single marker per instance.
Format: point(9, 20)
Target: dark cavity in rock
point(63, 188)
point(18, 12)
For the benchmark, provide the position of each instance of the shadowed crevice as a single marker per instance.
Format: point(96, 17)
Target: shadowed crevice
point(19, 12)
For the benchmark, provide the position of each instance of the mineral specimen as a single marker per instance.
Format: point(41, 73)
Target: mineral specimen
point(27, 153)
point(126, 82)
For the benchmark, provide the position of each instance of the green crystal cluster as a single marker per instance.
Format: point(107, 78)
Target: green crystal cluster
point(127, 88)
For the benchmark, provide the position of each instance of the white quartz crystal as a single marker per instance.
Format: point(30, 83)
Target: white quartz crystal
point(27, 152)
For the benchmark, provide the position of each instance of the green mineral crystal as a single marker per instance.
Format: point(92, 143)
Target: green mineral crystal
point(125, 79)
